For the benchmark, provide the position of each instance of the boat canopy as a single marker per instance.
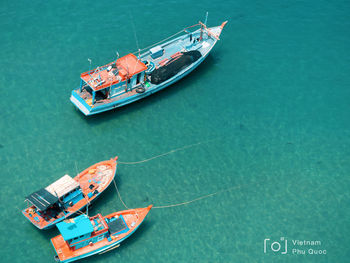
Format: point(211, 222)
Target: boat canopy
point(75, 227)
point(46, 197)
point(131, 65)
point(113, 73)
point(42, 199)
point(62, 186)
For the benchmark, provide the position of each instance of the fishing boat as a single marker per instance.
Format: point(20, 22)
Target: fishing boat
point(85, 236)
point(67, 196)
point(140, 74)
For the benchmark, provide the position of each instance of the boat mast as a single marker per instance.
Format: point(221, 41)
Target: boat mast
point(81, 82)
point(202, 27)
point(206, 19)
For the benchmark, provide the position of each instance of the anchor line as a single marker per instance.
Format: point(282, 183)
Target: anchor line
point(167, 153)
point(186, 202)
point(120, 197)
point(181, 203)
point(198, 198)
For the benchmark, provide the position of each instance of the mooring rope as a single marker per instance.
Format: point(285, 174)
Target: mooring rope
point(182, 203)
point(186, 202)
point(170, 152)
point(198, 198)
point(120, 197)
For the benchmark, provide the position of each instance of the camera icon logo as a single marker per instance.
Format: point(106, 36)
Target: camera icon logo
point(280, 246)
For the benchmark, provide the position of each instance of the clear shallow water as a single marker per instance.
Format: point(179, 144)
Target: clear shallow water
point(273, 94)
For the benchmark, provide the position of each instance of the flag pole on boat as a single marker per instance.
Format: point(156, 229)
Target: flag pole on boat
point(206, 19)
point(203, 25)
point(117, 53)
point(135, 35)
point(90, 63)
point(89, 67)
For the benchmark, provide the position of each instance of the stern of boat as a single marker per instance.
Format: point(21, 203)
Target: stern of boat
point(63, 253)
point(80, 103)
point(32, 215)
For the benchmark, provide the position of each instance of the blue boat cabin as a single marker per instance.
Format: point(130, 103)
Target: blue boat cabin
point(83, 231)
point(113, 79)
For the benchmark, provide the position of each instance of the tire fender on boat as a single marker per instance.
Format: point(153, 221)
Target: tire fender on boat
point(140, 89)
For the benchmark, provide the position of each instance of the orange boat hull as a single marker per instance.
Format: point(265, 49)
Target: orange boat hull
point(133, 219)
point(95, 178)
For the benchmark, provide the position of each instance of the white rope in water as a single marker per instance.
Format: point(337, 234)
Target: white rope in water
point(198, 198)
point(183, 203)
point(116, 188)
point(167, 153)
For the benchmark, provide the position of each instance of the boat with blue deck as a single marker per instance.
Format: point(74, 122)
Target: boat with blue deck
point(85, 236)
point(67, 196)
point(132, 77)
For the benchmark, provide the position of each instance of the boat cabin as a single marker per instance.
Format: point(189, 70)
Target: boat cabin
point(83, 231)
point(55, 198)
point(113, 79)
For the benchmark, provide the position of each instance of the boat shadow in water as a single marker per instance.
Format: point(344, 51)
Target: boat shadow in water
point(172, 90)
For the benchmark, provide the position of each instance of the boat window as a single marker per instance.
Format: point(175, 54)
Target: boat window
point(138, 78)
point(101, 94)
point(88, 89)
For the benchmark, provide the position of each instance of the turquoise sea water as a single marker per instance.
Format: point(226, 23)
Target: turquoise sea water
point(270, 105)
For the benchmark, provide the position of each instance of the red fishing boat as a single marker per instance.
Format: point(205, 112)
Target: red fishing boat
point(83, 236)
point(68, 195)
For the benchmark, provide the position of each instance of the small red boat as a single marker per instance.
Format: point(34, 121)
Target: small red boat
point(83, 236)
point(68, 195)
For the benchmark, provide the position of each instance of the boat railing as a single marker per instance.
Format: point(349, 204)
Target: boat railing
point(166, 39)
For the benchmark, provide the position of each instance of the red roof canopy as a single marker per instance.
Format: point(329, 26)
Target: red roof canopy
point(128, 66)
point(131, 64)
